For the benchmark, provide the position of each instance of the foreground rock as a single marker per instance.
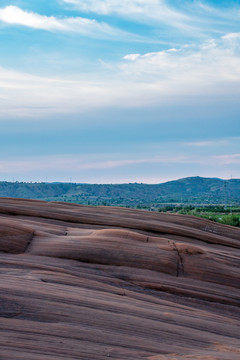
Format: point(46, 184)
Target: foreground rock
point(81, 282)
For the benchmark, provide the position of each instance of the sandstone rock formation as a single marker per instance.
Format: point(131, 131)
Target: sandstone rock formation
point(80, 282)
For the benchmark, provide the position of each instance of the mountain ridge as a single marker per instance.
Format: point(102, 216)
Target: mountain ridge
point(193, 190)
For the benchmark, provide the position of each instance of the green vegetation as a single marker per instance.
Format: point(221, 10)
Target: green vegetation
point(203, 197)
point(221, 214)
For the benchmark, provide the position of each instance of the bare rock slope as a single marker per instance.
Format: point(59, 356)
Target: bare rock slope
point(81, 282)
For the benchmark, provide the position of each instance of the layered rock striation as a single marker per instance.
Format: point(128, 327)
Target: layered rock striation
point(81, 282)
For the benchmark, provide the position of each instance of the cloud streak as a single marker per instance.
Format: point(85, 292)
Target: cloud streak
point(229, 159)
point(211, 69)
point(194, 17)
point(76, 163)
point(138, 10)
point(209, 143)
point(25, 95)
point(127, 109)
point(79, 165)
point(13, 15)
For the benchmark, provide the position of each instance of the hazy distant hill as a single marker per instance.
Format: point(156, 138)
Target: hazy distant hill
point(188, 190)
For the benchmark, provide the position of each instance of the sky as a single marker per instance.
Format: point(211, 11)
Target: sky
point(119, 91)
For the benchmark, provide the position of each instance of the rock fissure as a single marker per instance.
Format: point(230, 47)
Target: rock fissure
point(180, 266)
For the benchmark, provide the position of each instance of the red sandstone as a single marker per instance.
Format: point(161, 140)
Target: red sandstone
point(81, 282)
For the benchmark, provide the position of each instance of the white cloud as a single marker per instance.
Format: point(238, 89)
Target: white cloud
point(140, 10)
point(87, 164)
point(22, 94)
point(232, 36)
point(206, 143)
point(131, 56)
point(227, 12)
point(191, 18)
point(211, 66)
point(220, 142)
point(84, 163)
point(228, 159)
point(13, 15)
point(137, 7)
point(210, 70)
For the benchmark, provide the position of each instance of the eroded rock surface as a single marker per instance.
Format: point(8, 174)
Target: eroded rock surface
point(80, 282)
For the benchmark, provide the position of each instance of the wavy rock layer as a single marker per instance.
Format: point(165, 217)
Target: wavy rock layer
point(80, 282)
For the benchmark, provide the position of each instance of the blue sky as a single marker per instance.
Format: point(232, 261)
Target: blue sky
point(110, 91)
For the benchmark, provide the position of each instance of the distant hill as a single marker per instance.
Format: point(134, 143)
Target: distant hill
point(191, 190)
